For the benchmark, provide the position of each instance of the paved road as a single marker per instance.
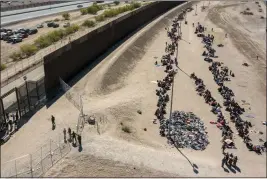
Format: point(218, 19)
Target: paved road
point(31, 76)
point(26, 16)
point(19, 11)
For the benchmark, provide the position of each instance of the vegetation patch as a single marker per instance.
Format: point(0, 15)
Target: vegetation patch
point(126, 129)
point(89, 23)
point(66, 16)
point(3, 66)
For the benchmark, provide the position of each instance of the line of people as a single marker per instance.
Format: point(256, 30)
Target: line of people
point(164, 85)
point(220, 75)
point(227, 133)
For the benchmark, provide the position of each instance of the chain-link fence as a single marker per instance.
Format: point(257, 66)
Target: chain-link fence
point(37, 163)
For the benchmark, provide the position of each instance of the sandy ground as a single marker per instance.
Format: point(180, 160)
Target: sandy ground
point(122, 83)
point(75, 18)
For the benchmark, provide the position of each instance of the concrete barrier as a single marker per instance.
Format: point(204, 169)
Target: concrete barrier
point(69, 60)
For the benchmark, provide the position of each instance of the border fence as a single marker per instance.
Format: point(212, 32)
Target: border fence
point(24, 99)
point(37, 163)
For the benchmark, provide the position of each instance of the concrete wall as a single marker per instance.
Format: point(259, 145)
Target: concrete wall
point(69, 60)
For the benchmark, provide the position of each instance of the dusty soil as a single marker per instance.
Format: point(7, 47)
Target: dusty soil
point(123, 83)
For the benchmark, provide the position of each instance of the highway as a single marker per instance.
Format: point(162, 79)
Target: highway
point(19, 11)
point(30, 15)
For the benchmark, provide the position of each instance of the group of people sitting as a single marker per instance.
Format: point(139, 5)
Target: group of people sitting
point(164, 85)
point(221, 74)
point(11, 123)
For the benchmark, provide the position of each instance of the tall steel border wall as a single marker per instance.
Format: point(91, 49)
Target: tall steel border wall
point(69, 60)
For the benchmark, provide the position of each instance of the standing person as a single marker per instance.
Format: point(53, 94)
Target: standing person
point(80, 140)
point(225, 35)
point(17, 114)
point(223, 147)
point(212, 29)
point(69, 131)
point(223, 160)
point(235, 161)
point(53, 122)
point(193, 25)
point(64, 133)
point(74, 138)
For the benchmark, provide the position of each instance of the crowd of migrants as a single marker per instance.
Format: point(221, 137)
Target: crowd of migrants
point(221, 74)
point(74, 138)
point(180, 130)
point(187, 130)
point(10, 125)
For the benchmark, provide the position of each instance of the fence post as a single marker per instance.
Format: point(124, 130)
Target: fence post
point(51, 152)
point(42, 159)
point(37, 91)
point(31, 165)
point(3, 109)
point(17, 96)
point(28, 97)
point(16, 168)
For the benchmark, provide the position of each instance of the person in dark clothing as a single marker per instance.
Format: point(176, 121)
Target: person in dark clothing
point(64, 133)
point(69, 132)
point(74, 140)
point(235, 160)
point(223, 147)
point(53, 122)
point(80, 140)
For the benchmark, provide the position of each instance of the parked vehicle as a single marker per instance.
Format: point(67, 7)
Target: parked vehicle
point(2, 35)
point(50, 24)
point(9, 33)
point(80, 6)
point(16, 40)
point(33, 31)
point(40, 26)
point(55, 25)
point(22, 35)
point(67, 24)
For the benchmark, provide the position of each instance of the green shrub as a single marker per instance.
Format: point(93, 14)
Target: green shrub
point(42, 42)
point(136, 5)
point(126, 129)
point(100, 18)
point(71, 29)
point(3, 66)
point(94, 9)
point(28, 49)
point(116, 2)
point(57, 19)
point(110, 13)
point(55, 36)
point(66, 16)
point(83, 11)
point(88, 23)
point(16, 56)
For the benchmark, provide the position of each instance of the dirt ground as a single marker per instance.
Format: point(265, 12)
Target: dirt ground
point(75, 18)
point(124, 82)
